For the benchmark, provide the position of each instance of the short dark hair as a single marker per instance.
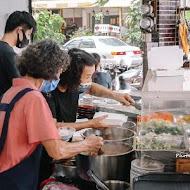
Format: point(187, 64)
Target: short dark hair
point(97, 57)
point(42, 59)
point(20, 18)
point(78, 60)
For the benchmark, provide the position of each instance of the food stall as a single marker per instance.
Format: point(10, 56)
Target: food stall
point(154, 146)
point(163, 127)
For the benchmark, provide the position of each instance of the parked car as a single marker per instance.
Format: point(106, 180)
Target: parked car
point(112, 50)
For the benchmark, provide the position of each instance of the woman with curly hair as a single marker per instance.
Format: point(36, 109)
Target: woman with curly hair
point(26, 122)
point(63, 101)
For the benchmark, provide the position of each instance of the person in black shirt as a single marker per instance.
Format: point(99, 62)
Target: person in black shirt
point(100, 77)
point(63, 101)
point(18, 29)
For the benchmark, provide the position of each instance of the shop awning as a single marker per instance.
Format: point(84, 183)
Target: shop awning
point(60, 4)
point(118, 3)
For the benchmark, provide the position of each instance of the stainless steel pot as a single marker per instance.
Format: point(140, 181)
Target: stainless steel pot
point(111, 134)
point(113, 165)
point(116, 185)
point(128, 125)
point(66, 168)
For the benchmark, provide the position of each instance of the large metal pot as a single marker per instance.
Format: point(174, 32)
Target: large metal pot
point(116, 185)
point(128, 125)
point(66, 168)
point(113, 165)
point(112, 134)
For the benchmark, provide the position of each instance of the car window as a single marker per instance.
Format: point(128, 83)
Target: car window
point(73, 44)
point(112, 42)
point(87, 44)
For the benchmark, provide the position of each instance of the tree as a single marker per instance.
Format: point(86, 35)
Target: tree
point(49, 26)
point(132, 18)
point(101, 2)
point(81, 32)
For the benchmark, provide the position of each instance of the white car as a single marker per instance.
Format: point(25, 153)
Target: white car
point(112, 50)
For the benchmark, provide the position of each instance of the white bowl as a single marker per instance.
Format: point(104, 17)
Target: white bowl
point(66, 132)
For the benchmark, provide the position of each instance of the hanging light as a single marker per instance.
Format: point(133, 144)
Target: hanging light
point(146, 23)
point(147, 11)
point(107, 13)
point(93, 13)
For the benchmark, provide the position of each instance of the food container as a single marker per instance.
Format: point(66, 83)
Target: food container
point(113, 119)
point(160, 134)
point(112, 134)
point(66, 132)
point(116, 185)
point(113, 162)
point(66, 168)
point(144, 166)
point(86, 111)
point(130, 125)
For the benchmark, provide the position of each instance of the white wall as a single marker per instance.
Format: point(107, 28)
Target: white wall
point(9, 6)
point(86, 13)
point(69, 13)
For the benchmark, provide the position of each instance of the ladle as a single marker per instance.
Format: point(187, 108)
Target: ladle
point(97, 180)
point(137, 104)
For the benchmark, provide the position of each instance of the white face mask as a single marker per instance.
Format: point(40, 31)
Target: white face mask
point(84, 86)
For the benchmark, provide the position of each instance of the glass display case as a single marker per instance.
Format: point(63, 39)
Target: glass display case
point(165, 115)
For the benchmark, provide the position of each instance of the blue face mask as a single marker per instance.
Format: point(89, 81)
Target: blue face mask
point(84, 86)
point(48, 86)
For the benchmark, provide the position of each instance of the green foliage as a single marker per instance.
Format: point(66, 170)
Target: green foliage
point(99, 16)
point(187, 14)
point(49, 26)
point(101, 2)
point(132, 18)
point(82, 32)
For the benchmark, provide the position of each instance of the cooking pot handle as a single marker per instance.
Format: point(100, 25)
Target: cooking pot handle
point(97, 180)
point(133, 147)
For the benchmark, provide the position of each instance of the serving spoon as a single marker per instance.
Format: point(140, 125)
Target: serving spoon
point(97, 180)
point(138, 104)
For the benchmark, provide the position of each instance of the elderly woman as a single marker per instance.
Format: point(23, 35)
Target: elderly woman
point(63, 101)
point(26, 122)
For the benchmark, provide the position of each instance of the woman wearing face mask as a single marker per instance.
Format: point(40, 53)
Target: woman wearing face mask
point(63, 101)
point(26, 123)
point(77, 79)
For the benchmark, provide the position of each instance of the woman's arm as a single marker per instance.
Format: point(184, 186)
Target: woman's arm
point(59, 149)
point(93, 123)
point(98, 90)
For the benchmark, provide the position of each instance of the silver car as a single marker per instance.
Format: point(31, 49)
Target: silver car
point(113, 51)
